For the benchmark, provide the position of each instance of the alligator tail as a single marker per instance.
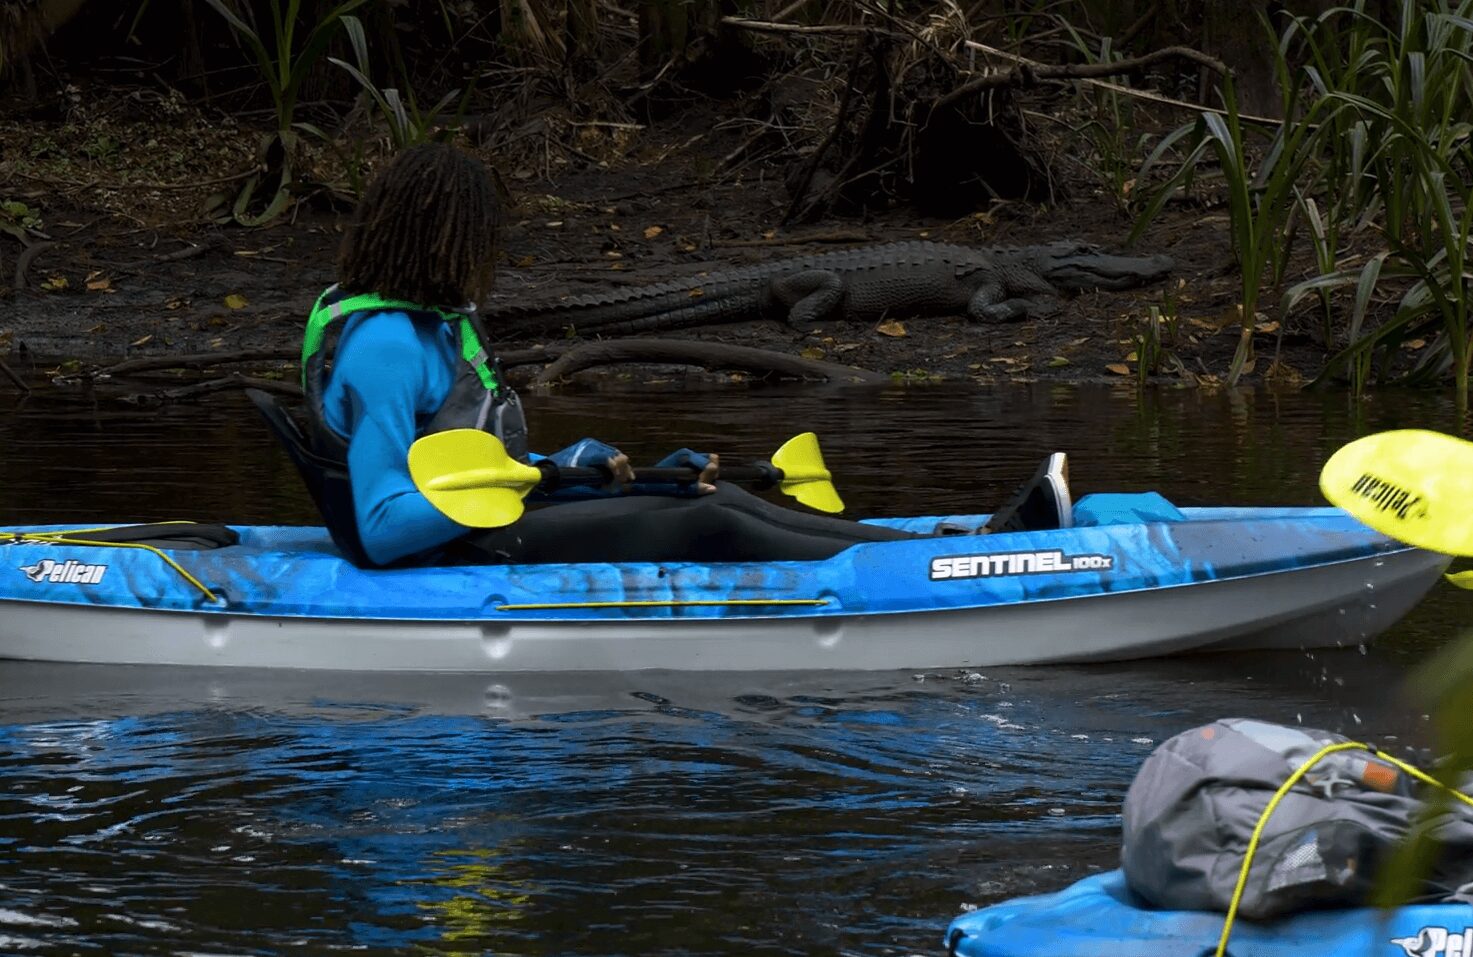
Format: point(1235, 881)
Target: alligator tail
point(670, 306)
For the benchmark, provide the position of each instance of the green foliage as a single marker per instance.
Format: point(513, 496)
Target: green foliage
point(1156, 343)
point(283, 65)
point(1107, 131)
point(1398, 156)
point(285, 62)
point(16, 218)
point(1377, 142)
point(408, 125)
point(1261, 202)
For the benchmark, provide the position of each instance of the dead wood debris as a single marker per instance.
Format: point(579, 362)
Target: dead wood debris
point(707, 355)
point(1028, 73)
point(23, 262)
point(209, 386)
point(13, 377)
point(201, 360)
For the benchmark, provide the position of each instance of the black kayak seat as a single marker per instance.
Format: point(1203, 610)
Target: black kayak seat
point(187, 536)
point(326, 479)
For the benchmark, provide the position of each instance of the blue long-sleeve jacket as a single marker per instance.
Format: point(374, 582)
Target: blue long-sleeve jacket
point(390, 375)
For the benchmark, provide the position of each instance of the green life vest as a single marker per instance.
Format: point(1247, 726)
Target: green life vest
point(323, 316)
point(478, 399)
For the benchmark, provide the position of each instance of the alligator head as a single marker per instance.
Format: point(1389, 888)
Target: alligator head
point(1075, 267)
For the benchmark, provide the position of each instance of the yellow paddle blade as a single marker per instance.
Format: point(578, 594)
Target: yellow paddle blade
point(468, 476)
point(1413, 485)
point(804, 475)
point(1461, 579)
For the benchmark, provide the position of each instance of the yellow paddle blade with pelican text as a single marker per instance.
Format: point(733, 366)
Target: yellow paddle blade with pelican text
point(1411, 484)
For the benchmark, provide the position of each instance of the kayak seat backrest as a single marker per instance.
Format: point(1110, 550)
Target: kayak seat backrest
point(326, 478)
point(191, 536)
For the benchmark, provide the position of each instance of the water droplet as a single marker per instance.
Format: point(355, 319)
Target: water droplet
point(1355, 716)
point(1056, 812)
point(1361, 647)
point(497, 697)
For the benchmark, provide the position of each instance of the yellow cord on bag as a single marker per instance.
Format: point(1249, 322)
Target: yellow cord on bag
point(67, 537)
point(1303, 769)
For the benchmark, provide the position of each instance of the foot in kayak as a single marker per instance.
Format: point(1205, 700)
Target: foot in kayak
point(1042, 502)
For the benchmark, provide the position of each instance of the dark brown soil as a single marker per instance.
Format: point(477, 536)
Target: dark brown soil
point(134, 271)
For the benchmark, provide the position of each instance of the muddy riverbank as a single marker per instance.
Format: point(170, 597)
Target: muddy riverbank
point(127, 271)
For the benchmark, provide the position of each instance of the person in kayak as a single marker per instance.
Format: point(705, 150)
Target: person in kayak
point(411, 358)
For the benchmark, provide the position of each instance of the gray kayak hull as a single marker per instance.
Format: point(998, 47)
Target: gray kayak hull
point(1341, 603)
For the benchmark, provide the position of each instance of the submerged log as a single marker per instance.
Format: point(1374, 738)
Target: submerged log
point(707, 355)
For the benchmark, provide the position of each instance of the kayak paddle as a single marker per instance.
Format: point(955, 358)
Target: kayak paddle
point(468, 475)
point(1411, 484)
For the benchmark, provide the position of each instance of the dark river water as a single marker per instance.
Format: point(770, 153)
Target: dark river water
point(151, 811)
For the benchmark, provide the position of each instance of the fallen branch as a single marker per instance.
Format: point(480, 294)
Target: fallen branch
point(210, 386)
point(840, 236)
point(1152, 13)
point(97, 184)
point(1127, 90)
point(198, 360)
point(188, 252)
point(528, 357)
point(1028, 72)
point(23, 262)
point(707, 355)
point(13, 377)
point(832, 29)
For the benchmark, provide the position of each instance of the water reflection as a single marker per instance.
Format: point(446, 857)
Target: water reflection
point(195, 811)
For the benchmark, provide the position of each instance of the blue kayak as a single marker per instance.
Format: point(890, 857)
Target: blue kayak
point(1212, 579)
point(1100, 917)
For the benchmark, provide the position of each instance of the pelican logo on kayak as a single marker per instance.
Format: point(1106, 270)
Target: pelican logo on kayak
point(70, 571)
point(1389, 497)
point(1437, 942)
point(1000, 564)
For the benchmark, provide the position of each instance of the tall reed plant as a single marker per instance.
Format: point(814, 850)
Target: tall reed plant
point(407, 124)
point(1262, 197)
point(284, 55)
point(1110, 123)
point(1377, 142)
point(1404, 98)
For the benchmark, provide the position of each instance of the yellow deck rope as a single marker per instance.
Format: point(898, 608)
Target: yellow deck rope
point(67, 537)
point(703, 603)
point(1303, 769)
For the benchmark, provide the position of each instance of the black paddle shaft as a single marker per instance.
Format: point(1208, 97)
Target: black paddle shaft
point(554, 476)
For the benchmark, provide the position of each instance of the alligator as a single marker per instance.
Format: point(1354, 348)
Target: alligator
point(865, 284)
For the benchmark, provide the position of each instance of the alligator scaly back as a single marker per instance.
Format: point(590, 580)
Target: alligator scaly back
point(861, 284)
point(723, 295)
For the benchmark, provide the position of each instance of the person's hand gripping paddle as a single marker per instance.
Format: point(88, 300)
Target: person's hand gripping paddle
point(467, 475)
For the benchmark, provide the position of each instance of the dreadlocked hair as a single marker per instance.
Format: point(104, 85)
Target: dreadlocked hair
point(425, 230)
